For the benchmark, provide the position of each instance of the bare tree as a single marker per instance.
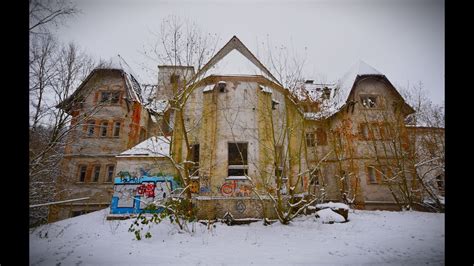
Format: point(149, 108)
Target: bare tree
point(46, 13)
point(55, 71)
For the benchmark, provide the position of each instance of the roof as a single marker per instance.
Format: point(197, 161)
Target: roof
point(339, 93)
point(153, 147)
point(234, 44)
point(132, 88)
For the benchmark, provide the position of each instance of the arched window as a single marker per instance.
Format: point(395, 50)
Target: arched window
point(90, 128)
point(103, 128)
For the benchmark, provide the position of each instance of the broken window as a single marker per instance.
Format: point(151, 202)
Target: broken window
point(222, 85)
point(326, 93)
point(110, 172)
point(194, 170)
point(322, 138)
point(82, 172)
point(371, 175)
point(115, 97)
point(110, 97)
point(116, 129)
point(275, 104)
point(96, 173)
point(90, 128)
point(103, 128)
point(237, 161)
point(310, 140)
point(368, 101)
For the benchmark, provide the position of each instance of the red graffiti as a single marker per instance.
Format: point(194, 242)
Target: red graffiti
point(147, 189)
point(232, 189)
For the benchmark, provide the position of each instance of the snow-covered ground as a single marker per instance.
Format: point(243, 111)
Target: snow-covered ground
point(370, 237)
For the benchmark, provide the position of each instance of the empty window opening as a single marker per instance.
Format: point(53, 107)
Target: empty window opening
point(82, 172)
point(103, 128)
point(310, 140)
point(116, 129)
point(96, 173)
point(368, 101)
point(237, 159)
point(110, 172)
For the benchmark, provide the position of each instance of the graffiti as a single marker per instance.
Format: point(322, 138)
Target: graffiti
point(194, 186)
point(134, 194)
point(233, 188)
point(147, 189)
point(240, 206)
point(144, 172)
point(204, 190)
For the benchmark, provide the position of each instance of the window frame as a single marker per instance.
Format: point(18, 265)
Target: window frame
point(104, 128)
point(95, 175)
point(194, 169)
point(90, 128)
point(109, 177)
point(310, 141)
point(244, 161)
point(82, 179)
point(114, 129)
point(375, 180)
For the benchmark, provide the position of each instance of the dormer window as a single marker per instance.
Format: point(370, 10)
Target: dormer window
point(326, 93)
point(221, 85)
point(368, 101)
point(110, 97)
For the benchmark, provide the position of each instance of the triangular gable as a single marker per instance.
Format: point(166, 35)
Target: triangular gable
point(234, 44)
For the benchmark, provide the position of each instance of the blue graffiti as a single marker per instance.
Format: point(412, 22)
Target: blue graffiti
point(129, 198)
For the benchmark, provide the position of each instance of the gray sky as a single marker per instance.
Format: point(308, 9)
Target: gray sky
point(402, 39)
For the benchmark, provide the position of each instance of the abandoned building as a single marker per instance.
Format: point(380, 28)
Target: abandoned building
point(243, 137)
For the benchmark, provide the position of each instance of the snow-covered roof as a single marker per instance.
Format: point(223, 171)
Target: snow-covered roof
point(153, 147)
point(339, 93)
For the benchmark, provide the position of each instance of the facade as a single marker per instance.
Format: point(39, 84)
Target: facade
point(244, 138)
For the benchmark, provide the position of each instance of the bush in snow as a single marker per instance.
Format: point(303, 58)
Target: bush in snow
point(328, 216)
point(339, 208)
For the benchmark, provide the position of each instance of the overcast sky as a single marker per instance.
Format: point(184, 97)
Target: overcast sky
point(402, 39)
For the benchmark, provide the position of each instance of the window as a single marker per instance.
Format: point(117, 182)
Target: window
point(116, 129)
point(110, 172)
point(321, 137)
point(310, 140)
point(194, 170)
point(372, 175)
point(82, 172)
point(96, 175)
point(237, 159)
point(326, 93)
point(368, 101)
point(364, 130)
point(90, 128)
point(115, 97)
point(221, 85)
point(105, 97)
point(103, 128)
point(275, 104)
point(110, 97)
